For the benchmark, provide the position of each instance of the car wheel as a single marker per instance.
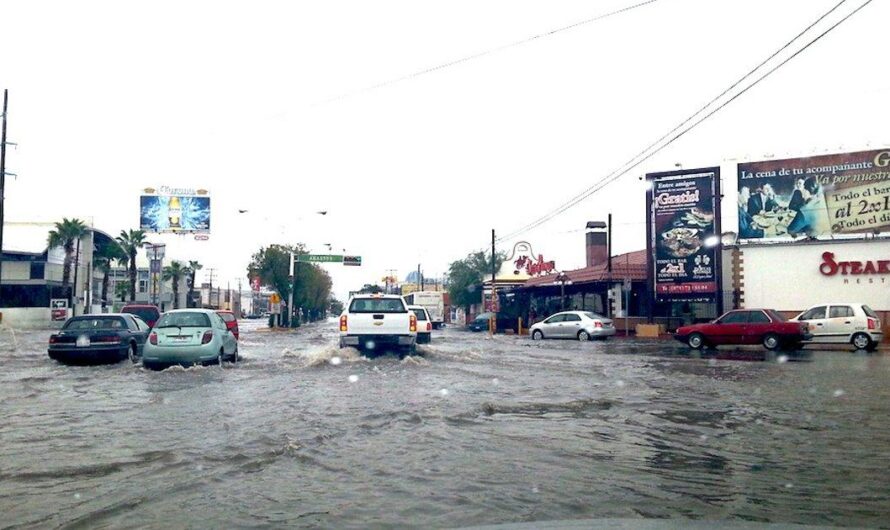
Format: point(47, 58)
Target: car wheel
point(537, 335)
point(235, 355)
point(131, 353)
point(771, 341)
point(583, 336)
point(696, 341)
point(861, 341)
point(219, 358)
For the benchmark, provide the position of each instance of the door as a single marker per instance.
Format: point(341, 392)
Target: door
point(553, 326)
point(817, 318)
point(572, 325)
point(840, 324)
point(730, 329)
point(227, 339)
point(758, 325)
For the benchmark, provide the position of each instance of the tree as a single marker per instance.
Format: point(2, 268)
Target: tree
point(121, 289)
point(104, 258)
point(370, 288)
point(130, 242)
point(175, 272)
point(313, 289)
point(465, 277)
point(271, 264)
point(194, 267)
point(336, 306)
point(65, 235)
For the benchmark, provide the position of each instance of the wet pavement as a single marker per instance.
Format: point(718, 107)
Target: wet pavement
point(474, 431)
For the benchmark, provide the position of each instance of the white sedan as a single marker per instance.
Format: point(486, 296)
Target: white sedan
point(580, 325)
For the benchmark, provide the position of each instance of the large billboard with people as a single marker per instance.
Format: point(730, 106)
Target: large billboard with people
point(826, 196)
point(683, 234)
point(174, 210)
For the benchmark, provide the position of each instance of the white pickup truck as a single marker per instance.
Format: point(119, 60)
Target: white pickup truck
point(378, 323)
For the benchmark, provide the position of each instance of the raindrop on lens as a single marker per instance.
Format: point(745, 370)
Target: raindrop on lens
point(619, 383)
point(839, 393)
point(495, 381)
point(703, 437)
point(370, 345)
point(443, 392)
point(335, 361)
point(77, 495)
point(789, 485)
point(782, 359)
point(353, 378)
point(536, 490)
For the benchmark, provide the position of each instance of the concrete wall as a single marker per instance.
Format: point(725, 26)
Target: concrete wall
point(28, 318)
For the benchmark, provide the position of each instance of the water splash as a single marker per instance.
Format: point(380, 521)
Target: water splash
point(326, 356)
point(838, 393)
point(353, 378)
point(444, 392)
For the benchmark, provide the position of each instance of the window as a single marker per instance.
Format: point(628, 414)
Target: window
point(185, 320)
point(421, 314)
point(758, 317)
point(572, 318)
point(555, 319)
point(38, 269)
point(143, 286)
point(840, 311)
point(814, 313)
point(736, 317)
point(377, 305)
point(227, 317)
point(869, 311)
point(84, 324)
point(594, 316)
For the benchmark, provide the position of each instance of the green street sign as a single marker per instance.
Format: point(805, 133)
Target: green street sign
point(319, 258)
point(354, 261)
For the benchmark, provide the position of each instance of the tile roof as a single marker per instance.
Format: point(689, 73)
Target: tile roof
point(631, 265)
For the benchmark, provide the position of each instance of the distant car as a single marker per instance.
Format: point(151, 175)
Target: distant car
point(231, 322)
point(746, 326)
point(147, 312)
point(855, 324)
point(424, 324)
point(95, 339)
point(377, 322)
point(480, 323)
point(188, 337)
point(580, 325)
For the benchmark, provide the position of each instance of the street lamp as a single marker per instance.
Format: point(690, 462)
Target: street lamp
point(563, 279)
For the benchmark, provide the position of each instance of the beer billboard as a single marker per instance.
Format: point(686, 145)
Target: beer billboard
point(827, 196)
point(683, 234)
point(174, 210)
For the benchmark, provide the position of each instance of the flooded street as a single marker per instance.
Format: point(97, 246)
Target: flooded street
point(473, 431)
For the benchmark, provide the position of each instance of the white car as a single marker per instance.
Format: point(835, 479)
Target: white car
point(424, 324)
point(580, 325)
point(378, 323)
point(854, 324)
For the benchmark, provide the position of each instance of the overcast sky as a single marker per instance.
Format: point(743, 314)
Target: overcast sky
point(243, 99)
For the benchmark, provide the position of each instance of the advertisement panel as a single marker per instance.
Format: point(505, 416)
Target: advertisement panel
point(828, 196)
point(683, 230)
point(173, 210)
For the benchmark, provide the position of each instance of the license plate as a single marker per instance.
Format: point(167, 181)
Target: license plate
point(181, 339)
point(83, 341)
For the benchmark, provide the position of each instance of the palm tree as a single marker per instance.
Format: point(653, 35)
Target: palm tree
point(130, 242)
point(104, 259)
point(65, 235)
point(175, 271)
point(193, 268)
point(122, 289)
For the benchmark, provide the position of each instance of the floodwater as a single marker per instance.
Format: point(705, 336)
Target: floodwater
point(476, 430)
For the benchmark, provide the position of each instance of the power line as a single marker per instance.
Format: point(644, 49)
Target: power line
point(633, 162)
point(490, 51)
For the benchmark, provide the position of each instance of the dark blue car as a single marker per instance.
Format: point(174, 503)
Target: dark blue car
point(99, 339)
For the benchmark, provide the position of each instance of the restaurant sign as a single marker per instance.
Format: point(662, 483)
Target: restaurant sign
point(684, 219)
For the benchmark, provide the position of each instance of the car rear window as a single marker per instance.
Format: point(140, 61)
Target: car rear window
point(421, 314)
point(869, 312)
point(145, 313)
point(594, 316)
point(777, 317)
point(228, 317)
point(82, 324)
point(377, 305)
point(184, 320)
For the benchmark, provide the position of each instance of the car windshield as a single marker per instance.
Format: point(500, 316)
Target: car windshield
point(184, 320)
point(145, 313)
point(377, 305)
point(95, 323)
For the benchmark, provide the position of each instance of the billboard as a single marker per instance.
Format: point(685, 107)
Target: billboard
point(682, 230)
point(175, 211)
point(827, 196)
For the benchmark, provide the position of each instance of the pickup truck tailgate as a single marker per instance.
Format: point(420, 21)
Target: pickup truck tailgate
point(378, 324)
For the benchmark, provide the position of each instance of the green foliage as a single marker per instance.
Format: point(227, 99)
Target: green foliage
point(193, 269)
point(466, 277)
point(336, 306)
point(175, 272)
point(104, 257)
point(121, 289)
point(130, 242)
point(65, 235)
point(314, 284)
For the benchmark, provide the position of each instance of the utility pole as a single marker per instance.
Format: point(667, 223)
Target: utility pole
point(2, 178)
point(210, 289)
point(492, 326)
point(419, 282)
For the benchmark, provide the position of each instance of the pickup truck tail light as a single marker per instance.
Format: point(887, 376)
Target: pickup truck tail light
point(153, 338)
point(208, 336)
point(343, 326)
point(873, 323)
point(412, 324)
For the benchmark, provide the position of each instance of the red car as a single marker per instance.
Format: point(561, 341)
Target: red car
point(230, 320)
point(746, 326)
point(147, 312)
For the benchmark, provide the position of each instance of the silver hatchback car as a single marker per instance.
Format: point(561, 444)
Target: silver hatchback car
point(580, 325)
